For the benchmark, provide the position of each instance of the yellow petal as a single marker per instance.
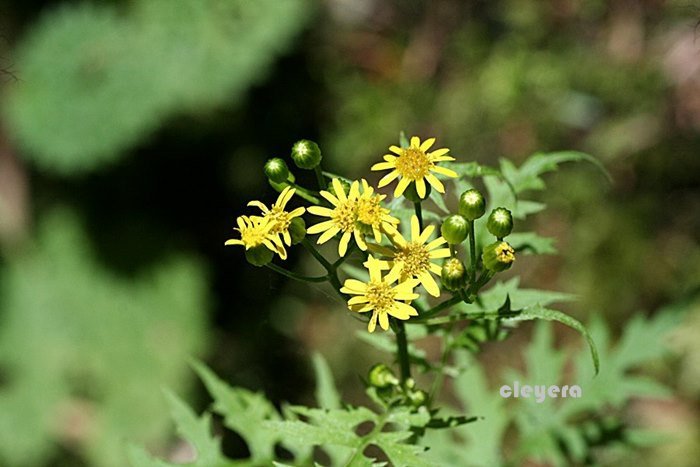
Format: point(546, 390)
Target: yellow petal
point(327, 235)
point(415, 228)
point(285, 196)
point(415, 142)
point(372, 322)
point(358, 300)
point(259, 205)
point(297, 212)
point(426, 234)
point(359, 240)
point(374, 267)
point(429, 283)
point(329, 197)
point(353, 286)
point(354, 190)
point(343, 245)
point(384, 320)
point(435, 269)
point(390, 157)
point(233, 241)
point(427, 144)
point(437, 184)
point(401, 187)
point(441, 253)
point(383, 166)
point(444, 171)
point(396, 150)
point(320, 211)
point(420, 187)
point(438, 153)
point(320, 227)
point(388, 178)
point(436, 243)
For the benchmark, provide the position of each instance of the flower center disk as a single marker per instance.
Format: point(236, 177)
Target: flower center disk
point(380, 295)
point(413, 164)
point(415, 258)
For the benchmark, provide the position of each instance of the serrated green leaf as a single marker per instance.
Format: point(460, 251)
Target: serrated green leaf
point(539, 312)
point(244, 412)
point(532, 243)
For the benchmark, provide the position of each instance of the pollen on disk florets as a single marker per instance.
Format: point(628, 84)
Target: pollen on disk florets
point(345, 215)
point(380, 295)
point(413, 164)
point(415, 258)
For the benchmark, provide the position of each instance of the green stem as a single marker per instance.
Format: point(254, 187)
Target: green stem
point(332, 273)
point(331, 176)
point(439, 379)
point(402, 352)
point(453, 251)
point(304, 193)
point(423, 317)
point(294, 275)
point(472, 251)
point(419, 214)
point(319, 177)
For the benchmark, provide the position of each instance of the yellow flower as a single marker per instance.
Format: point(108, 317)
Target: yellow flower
point(353, 214)
point(343, 216)
point(371, 215)
point(279, 218)
point(415, 164)
point(255, 231)
point(412, 259)
point(380, 296)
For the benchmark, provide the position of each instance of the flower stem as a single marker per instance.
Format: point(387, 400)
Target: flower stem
point(402, 352)
point(294, 275)
point(419, 214)
point(332, 272)
point(472, 251)
point(319, 177)
point(304, 193)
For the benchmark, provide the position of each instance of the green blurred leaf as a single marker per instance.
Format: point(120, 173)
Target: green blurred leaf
point(80, 343)
point(96, 81)
point(327, 396)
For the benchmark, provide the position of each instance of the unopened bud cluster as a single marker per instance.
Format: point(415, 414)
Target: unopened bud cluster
point(389, 388)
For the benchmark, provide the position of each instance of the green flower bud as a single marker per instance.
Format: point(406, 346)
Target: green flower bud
point(381, 376)
point(258, 255)
point(472, 204)
point(498, 256)
point(500, 223)
point(276, 170)
point(297, 230)
point(417, 397)
point(411, 193)
point(454, 274)
point(306, 154)
point(455, 229)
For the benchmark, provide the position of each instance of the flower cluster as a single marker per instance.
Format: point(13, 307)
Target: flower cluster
point(396, 263)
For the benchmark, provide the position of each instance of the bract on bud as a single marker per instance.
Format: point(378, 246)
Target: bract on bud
point(500, 223)
point(454, 274)
point(455, 229)
point(276, 170)
point(472, 204)
point(306, 154)
point(258, 255)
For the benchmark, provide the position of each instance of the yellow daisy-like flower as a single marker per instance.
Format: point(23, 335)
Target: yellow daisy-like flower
point(255, 231)
point(372, 216)
point(412, 259)
point(381, 296)
point(279, 218)
point(415, 164)
point(343, 216)
point(354, 214)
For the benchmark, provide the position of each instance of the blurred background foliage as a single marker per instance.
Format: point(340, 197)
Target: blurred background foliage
point(134, 131)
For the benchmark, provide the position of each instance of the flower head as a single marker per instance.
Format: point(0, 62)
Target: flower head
point(353, 214)
point(412, 258)
point(371, 216)
point(380, 296)
point(279, 219)
point(255, 232)
point(415, 164)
